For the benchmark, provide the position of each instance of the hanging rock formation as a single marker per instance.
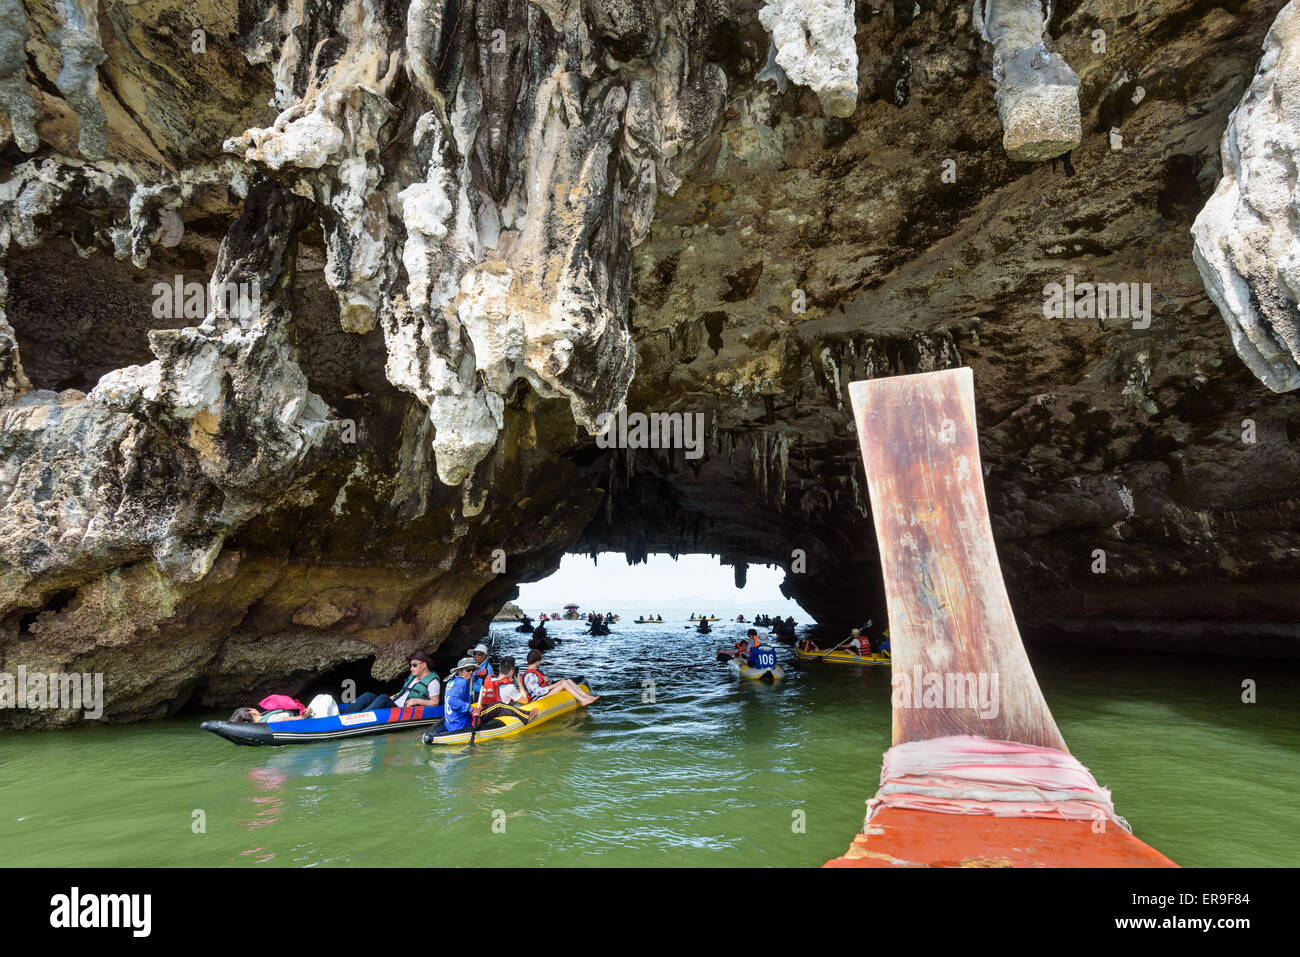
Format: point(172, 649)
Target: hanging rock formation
point(1247, 236)
point(309, 310)
point(1038, 93)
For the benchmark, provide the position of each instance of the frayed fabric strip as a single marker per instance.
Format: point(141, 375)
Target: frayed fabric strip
point(965, 774)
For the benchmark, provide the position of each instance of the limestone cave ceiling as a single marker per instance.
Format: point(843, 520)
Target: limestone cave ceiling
point(310, 309)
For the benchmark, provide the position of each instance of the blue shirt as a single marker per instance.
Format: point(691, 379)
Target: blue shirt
point(482, 671)
point(456, 707)
point(762, 656)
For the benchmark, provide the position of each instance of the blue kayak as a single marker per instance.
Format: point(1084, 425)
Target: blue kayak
point(303, 730)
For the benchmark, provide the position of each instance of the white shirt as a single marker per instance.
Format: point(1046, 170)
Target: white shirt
point(508, 693)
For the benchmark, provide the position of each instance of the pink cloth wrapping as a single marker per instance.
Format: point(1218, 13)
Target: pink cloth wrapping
point(965, 774)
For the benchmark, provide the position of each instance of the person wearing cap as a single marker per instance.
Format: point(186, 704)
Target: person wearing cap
point(482, 667)
point(855, 642)
point(456, 715)
point(421, 688)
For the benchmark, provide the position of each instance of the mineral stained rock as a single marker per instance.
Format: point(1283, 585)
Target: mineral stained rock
point(309, 310)
point(1247, 236)
point(1038, 93)
point(812, 43)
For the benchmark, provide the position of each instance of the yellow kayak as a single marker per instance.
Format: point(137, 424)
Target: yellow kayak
point(841, 656)
point(556, 703)
point(758, 674)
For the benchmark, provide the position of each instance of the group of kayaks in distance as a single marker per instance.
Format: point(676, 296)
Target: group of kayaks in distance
point(574, 616)
point(751, 657)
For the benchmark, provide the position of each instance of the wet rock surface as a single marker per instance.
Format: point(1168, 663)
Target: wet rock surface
point(422, 248)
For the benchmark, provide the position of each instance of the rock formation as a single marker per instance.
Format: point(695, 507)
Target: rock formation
point(309, 310)
point(1247, 238)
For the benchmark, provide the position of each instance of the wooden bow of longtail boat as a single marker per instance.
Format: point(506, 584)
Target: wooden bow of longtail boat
point(963, 686)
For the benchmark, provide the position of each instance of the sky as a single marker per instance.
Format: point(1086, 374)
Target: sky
point(697, 582)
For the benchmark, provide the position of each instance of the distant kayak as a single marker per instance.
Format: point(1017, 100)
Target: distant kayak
point(556, 703)
point(842, 656)
point(775, 673)
point(304, 730)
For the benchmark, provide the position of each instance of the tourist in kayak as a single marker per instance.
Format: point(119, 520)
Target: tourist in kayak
point(421, 688)
point(283, 708)
point(537, 685)
point(743, 646)
point(482, 667)
point(459, 701)
point(498, 694)
point(855, 643)
point(760, 656)
point(254, 716)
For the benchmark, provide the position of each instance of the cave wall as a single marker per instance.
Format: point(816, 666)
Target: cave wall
point(473, 229)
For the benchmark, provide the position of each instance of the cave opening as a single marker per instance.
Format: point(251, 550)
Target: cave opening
point(675, 586)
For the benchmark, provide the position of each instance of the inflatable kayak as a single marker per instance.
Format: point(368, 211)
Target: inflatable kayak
point(841, 656)
point(303, 730)
point(556, 703)
point(769, 675)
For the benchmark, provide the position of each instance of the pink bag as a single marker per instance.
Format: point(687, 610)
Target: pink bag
point(281, 702)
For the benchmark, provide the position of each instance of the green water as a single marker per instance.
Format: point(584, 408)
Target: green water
point(713, 771)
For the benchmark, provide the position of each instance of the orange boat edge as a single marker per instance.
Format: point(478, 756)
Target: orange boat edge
point(898, 837)
point(950, 616)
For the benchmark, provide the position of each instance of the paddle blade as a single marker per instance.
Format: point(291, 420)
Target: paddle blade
point(958, 663)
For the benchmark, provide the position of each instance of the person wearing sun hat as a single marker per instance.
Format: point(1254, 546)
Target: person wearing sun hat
point(459, 700)
point(482, 667)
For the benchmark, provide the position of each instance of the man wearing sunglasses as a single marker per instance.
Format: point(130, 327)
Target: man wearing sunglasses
point(421, 688)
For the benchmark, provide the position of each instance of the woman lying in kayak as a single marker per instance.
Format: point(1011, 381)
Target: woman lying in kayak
point(320, 706)
point(537, 685)
point(282, 707)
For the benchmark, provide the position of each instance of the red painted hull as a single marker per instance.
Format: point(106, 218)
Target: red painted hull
point(905, 838)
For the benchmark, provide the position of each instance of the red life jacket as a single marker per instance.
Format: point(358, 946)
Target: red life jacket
point(541, 678)
point(491, 693)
